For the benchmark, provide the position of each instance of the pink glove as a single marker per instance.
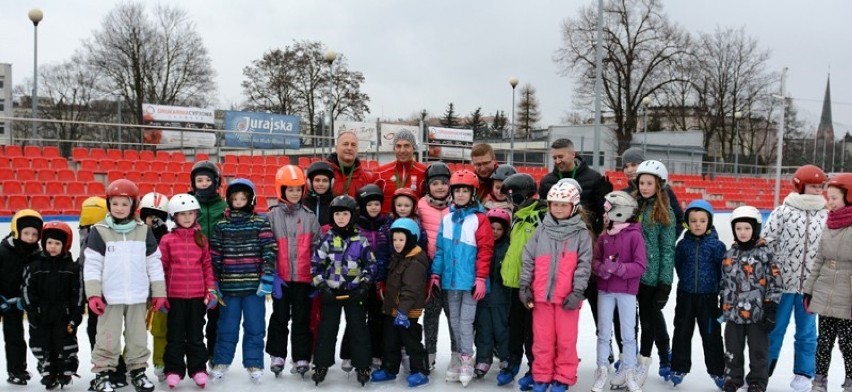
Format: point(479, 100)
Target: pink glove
point(97, 305)
point(160, 303)
point(479, 289)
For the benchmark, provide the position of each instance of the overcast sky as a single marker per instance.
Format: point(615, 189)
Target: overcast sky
point(425, 54)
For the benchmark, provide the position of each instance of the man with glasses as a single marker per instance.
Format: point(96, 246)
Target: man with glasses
point(484, 164)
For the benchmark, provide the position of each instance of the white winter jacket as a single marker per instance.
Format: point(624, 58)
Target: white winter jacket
point(125, 268)
point(793, 233)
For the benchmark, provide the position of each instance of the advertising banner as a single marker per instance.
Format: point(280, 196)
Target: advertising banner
point(261, 130)
point(450, 143)
point(389, 131)
point(368, 138)
point(178, 116)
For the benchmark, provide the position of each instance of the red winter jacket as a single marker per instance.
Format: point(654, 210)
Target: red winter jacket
point(396, 175)
point(350, 183)
point(187, 267)
point(297, 233)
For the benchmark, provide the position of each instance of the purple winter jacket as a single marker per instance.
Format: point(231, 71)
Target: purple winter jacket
point(627, 248)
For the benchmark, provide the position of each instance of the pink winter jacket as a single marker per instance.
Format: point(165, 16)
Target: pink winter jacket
point(187, 267)
point(430, 220)
point(297, 233)
point(557, 260)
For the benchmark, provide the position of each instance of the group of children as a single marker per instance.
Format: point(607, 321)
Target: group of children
point(510, 278)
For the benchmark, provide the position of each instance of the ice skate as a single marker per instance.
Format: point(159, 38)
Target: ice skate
point(101, 383)
point(140, 381)
point(18, 378)
point(64, 379)
point(801, 383)
point(49, 381)
point(319, 375)
point(200, 379)
point(172, 380)
point(300, 368)
point(619, 378)
point(601, 374)
point(382, 375)
point(276, 365)
point(820, 383)
point(255, 375)
point(631, 381)
point(417, 379)
point(665, 365)
point(718, 380)
point(432, 361)
point(540, 387)
point(466, 373)
point(218, 373)
point(346, 365)
point(454, 368)
point(642, 369)
point(376, 363)
point(481, 370)
point(363, 376)
point(526, 382)
point(118, 379)
point(676, 378)
point(405, 362)
point(507, 373)
point(760, 388)
point(558, 387)
point(847, 385)
point(159, 373)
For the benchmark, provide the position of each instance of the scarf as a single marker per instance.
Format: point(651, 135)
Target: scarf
point(839, 219)
point(122, 227)
point(437, 204)
point(559, 230)
point(617, 227)
point(805, 202)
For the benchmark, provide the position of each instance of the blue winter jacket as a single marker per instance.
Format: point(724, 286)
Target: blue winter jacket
point(698, 263)
point(465, 248)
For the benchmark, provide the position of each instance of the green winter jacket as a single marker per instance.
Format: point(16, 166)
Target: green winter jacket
point(524, 222)
point(211, 212)
point(660, 245)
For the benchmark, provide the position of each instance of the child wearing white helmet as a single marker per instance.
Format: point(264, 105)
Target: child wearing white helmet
point(618, 263)
point(191, 291)
point(750, 288)
point(658, 228)
point(555, 272)
point(153, 211)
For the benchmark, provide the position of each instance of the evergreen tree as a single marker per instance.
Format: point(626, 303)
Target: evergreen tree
point(450, 118)
point(499, 126)
point(480, 127)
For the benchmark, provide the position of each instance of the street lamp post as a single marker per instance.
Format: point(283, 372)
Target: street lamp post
point(645, 102)
point(513, 81)
point(329, 57)
point(35, 16)
point(737, 116)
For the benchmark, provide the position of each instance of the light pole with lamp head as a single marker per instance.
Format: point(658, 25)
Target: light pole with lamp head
point(645, 102)
point(737, 116)
point(35, 16)
point(329, 58)
point(513, 81)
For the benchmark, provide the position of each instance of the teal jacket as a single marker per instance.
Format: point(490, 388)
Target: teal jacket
point(660, 245)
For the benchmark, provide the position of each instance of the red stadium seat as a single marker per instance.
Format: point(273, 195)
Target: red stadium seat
point(124, 165)
point(25, 174)
point(57, 163)
point(33, 187)
point(96, 188)
point(42, 204)
point(4, 161)
point(167, 177)
point(202, 157)
point(178, 156)
point(142, 166)
point(88, 164)
point(12, 187)
point(114, 154)
point(66, 175)
point(105, 165)
point(50, 152)
point(39, 163)
point(85, 175)
point(54, 188)
point(20, 162)
point(150, 176)
point(13, 150)
point(79, 153)
point(6, 173)
point(174, 166)
point(158, 166)
point(113, 175)
point(134, 176)
point(145, 187)
point(283, 160)
point(76, 188)
point(146, 155)
point(244, 159)
point(32, 151)
point(46, 175)
point(231, 159)
point(258, 160)
point(64, 204)
point(164, 156)
point(131, 155)
point(97, 154)
point(16, 203)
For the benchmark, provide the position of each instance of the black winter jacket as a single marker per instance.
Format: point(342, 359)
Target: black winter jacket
point(52, 289)
point(13, 259)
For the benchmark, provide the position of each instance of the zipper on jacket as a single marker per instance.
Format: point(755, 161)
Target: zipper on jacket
point(695, 274)
point(804, 254)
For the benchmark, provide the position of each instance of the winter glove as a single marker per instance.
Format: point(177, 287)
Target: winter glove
point(434, 288)
point(325, 293)
point(662, 295)
point(526, 296)
point(401, 320)
point(8, 304)
point(381, 289)
point(806, 302)
point(211, 300)
point(479, 289)
point(278, 286)
point(97, 305)
point(572, 301)
point(160, 304)
point(360, 292)
point(768, 323)
point(265, 286)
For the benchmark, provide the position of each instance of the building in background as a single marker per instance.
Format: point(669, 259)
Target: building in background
point(5, 102)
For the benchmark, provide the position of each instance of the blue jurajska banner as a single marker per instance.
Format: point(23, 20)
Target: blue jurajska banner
point(261, 130)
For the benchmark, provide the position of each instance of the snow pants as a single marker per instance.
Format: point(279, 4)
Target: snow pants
point(555, 343)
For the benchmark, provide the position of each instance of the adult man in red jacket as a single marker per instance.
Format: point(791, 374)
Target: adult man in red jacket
point(484, 164)
point(349, 174)
point(404, 172)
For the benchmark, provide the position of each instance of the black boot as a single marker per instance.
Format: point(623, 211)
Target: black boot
point(50, 382)
point(363, 376)
point(19, 378)
point(319, 374)
point(63, 380)
point(140, 381)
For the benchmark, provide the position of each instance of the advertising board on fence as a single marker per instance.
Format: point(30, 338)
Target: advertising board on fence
point(389, 131)
point(366, 131)
point(178, 116)
point(450, 143)
point(261, 130)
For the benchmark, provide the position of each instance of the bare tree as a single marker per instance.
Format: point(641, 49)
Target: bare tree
point(528, 112)
point(157, 58)
point(640, 44)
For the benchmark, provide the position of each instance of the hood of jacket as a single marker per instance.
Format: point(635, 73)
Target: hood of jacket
point(559, 230)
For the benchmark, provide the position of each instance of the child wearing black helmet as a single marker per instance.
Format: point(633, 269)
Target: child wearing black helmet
point(53, 299)
point(343, 269)
point(319, 196)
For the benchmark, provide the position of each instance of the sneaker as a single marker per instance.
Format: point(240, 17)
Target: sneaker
point(800, 383)
point(540, 387)
point(200, 379)
point(346, 365)
point(102, 383)
point(218, 373)
point(454, 368)
point(481, 369)
point(417, 379)
point(363, 376)
point(319, 375)
point(276, 365)
point(677, 377)
point(140, 381)
point(558, 387)
point(49, 381)
point(255, 375)
point(526, 382)
point(172, 380)
point(600, 378)
point(632, 381)
point(382, 375)
point(719, 381)
point(466, 374)
point(159, 372)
